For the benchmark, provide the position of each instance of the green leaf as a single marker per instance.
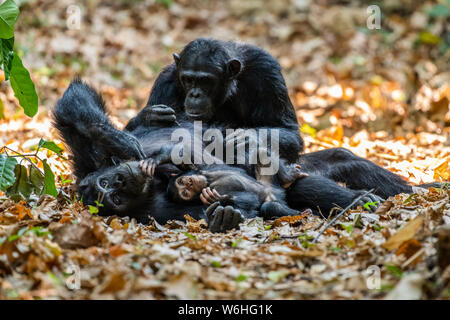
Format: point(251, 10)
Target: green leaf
point(7, 177)
point(93, 209)
point(49, 181)
point(429, 38)
point(6, 55)
point(2, 110)
point(241, 277)
point(8, 16)
point(215, 264)
point(23, 87)
point(50, 145)
point(396, 271)
point(369, 204)
point(37, 180)
point(22, 188)
point(190, 236)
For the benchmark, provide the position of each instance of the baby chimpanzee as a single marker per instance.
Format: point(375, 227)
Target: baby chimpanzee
point(223, 185)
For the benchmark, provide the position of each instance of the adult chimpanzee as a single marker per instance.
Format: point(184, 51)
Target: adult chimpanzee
point(226, 84)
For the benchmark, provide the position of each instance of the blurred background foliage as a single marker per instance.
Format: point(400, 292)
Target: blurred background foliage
point(394, 79)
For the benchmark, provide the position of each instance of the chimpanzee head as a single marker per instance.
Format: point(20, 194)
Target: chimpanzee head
point(121, 189)
point(206, 71)
point(186, 187)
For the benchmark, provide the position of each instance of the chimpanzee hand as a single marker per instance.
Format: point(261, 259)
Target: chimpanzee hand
point(221, 219)
point(289, 174)
point(209, 196)
point(148, 166)
point(372, 198)
point(158, 115)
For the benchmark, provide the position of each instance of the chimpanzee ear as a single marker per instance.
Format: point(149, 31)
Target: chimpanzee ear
point(234, 67)
point(176, 57)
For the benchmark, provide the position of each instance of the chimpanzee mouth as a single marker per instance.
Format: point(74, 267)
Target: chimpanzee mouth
point(195, 115)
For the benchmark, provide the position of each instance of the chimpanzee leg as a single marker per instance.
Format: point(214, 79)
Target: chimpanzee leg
point(321, 194)
point(81, 119)
point(341, 165)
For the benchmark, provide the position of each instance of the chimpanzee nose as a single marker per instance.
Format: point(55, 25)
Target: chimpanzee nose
point(119, 181)
point(194, 94)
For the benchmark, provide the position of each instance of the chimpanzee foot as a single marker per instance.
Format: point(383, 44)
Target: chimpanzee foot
point(221, 219)
point(372, 200)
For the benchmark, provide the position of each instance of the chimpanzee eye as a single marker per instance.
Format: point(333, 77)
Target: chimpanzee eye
point(103, 183)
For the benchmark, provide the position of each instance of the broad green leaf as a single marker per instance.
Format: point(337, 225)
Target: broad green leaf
point(8, 16)
point(22, 188)
point(37, 180)
point(49, 181)
point(6, 56)
point(50, 145)
point(7, 177)
point(23, 87)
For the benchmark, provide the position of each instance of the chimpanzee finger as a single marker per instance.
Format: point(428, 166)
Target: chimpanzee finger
point(217, 220)
point(210, 210)
point(237, 218)
point(164, 118)
point(216, 194)
point(210, 193)
point(203, 199)
point(228, 215)
point(162, 109)
point(206, 195)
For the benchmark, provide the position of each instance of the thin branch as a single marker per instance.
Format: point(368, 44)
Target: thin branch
point(329, 224)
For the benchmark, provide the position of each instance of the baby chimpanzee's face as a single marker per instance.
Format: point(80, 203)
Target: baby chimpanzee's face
point(189, 186)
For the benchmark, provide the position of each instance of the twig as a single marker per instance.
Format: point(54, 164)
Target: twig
point(329, 224)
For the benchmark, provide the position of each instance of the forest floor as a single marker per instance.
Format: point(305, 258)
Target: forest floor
point(383, 95)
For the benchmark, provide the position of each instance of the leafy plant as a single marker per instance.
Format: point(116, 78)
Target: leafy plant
point(12, 65)
point(20, 182)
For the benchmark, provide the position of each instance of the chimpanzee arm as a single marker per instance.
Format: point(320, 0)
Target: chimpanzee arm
point(81, 119)
point(321, 194)
point(163, 210)
point(164, 104)
point(342, 165)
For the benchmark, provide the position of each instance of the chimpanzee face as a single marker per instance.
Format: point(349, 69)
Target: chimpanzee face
point(118, 189)
point(190, 186)
point(205, 81)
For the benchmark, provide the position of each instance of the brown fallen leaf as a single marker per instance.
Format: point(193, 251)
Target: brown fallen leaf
point(409, 248)
point(404, 234)
point(72, 236)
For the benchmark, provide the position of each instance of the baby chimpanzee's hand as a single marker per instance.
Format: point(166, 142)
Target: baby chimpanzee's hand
point(148, 166)
point(294, 172)
point(209, 196)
